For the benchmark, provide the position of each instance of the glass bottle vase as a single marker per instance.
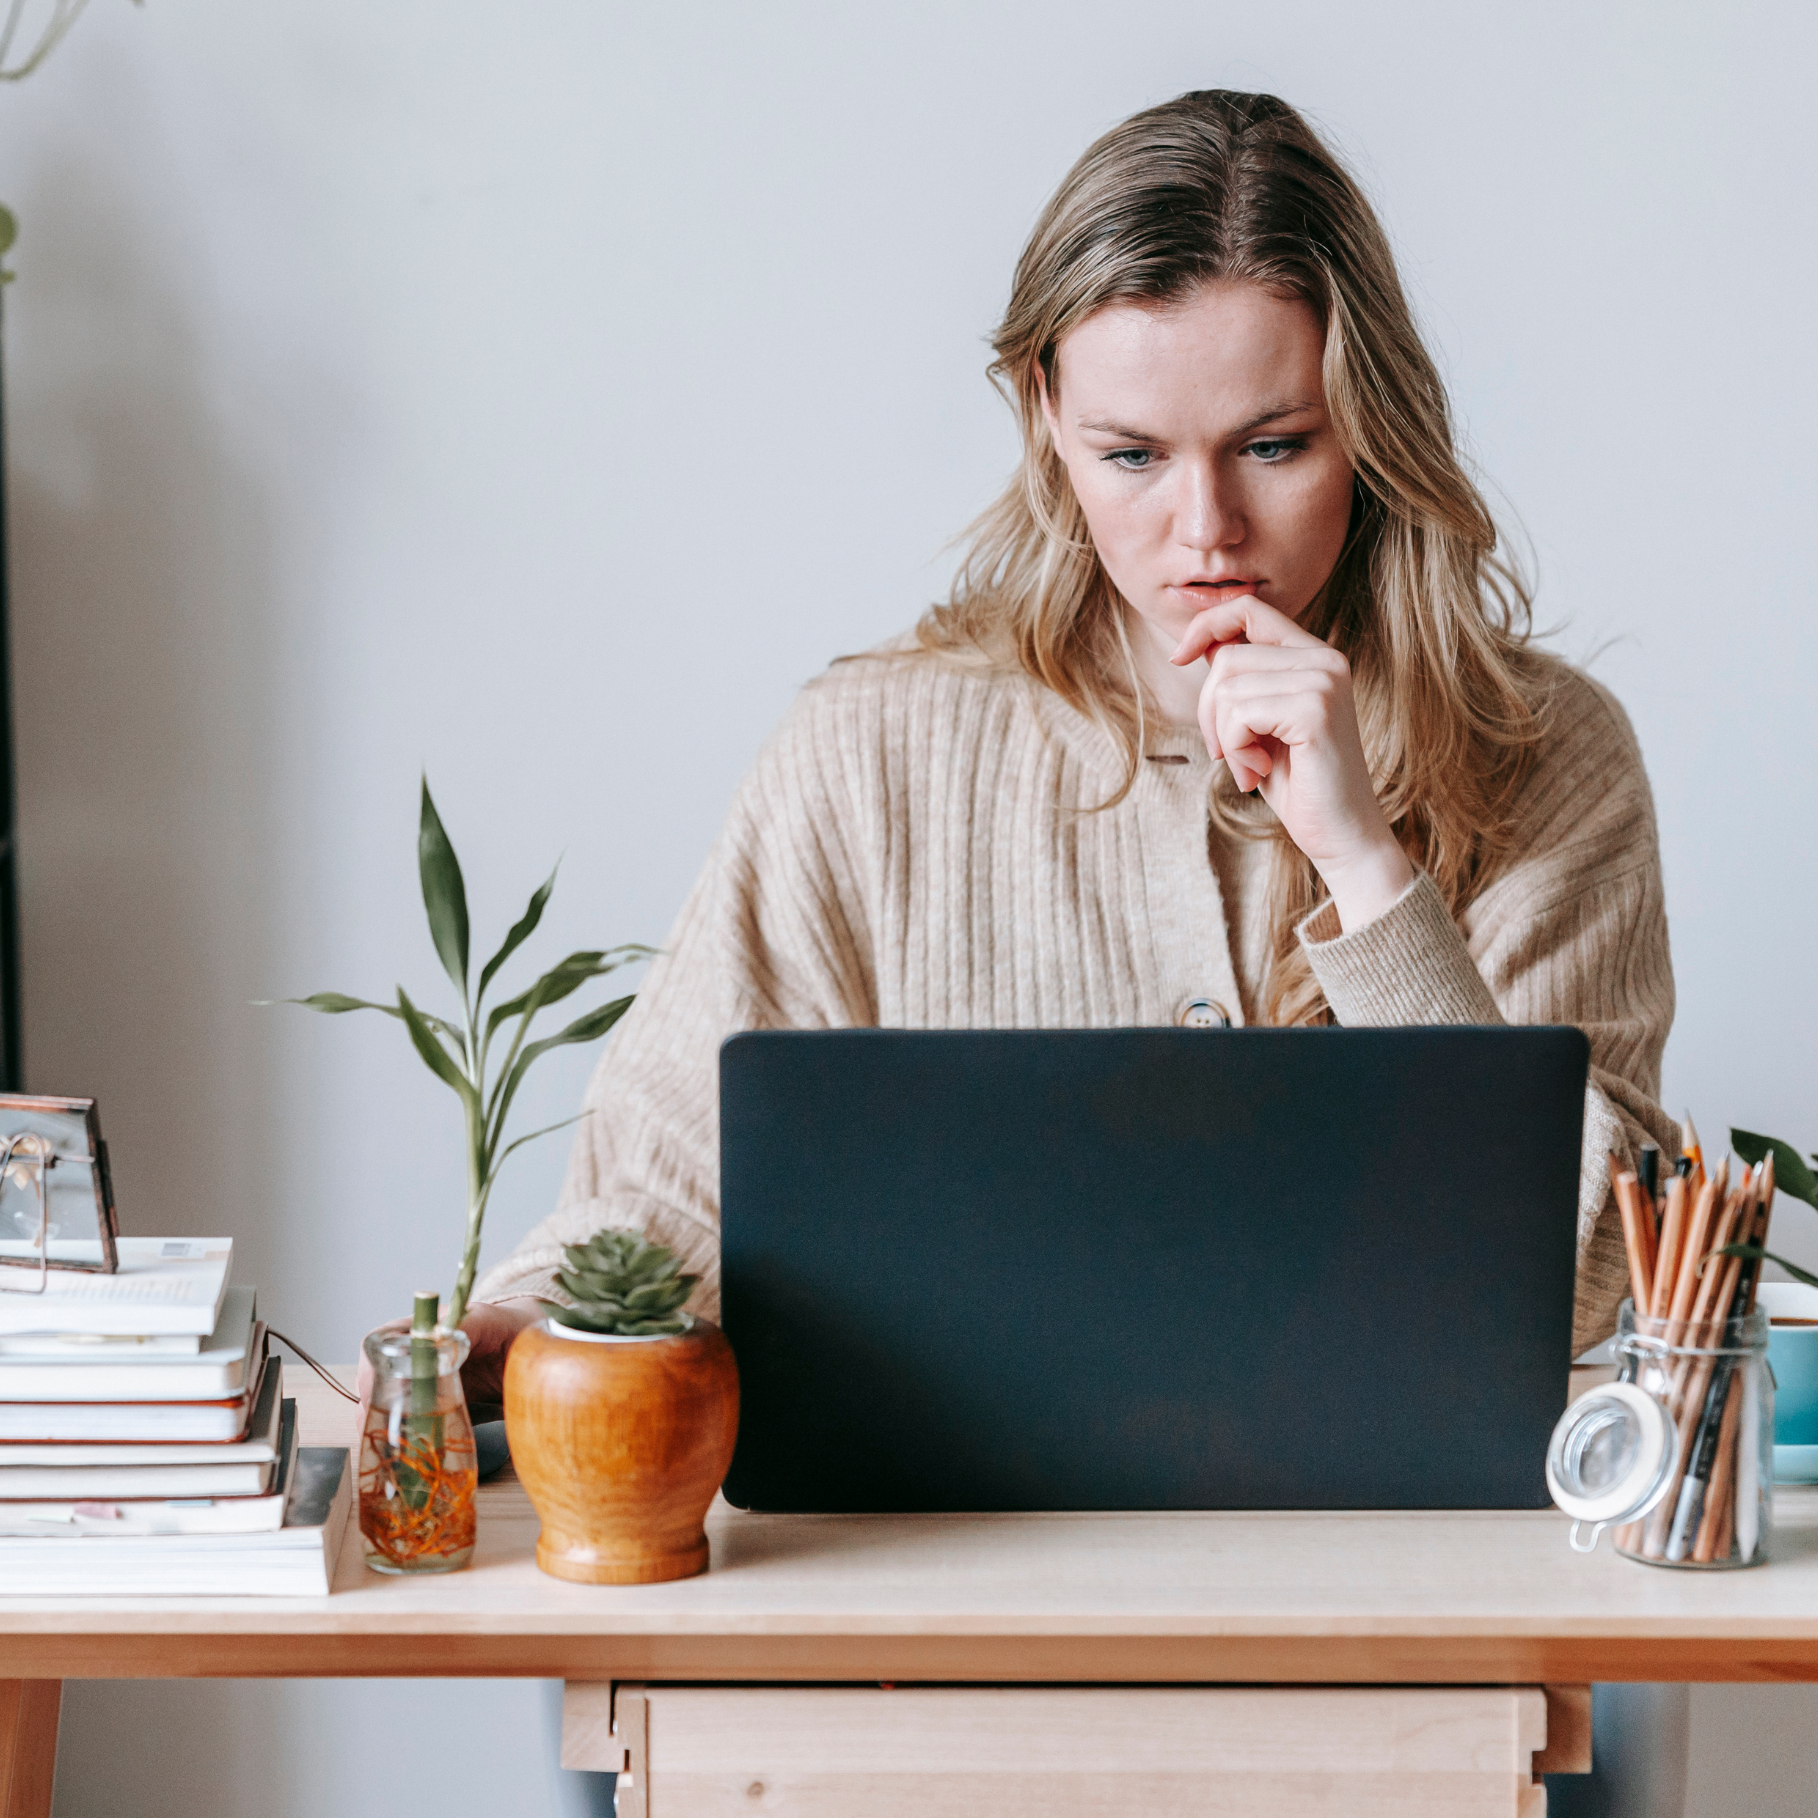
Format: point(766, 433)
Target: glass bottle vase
point(418, 1468)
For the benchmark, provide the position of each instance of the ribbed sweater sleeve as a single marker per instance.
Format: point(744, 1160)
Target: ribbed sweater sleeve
point(1572, 929)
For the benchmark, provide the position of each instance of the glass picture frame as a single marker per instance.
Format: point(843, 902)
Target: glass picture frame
point(56, 1191)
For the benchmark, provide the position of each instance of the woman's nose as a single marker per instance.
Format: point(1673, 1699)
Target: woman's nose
point(1206, 516)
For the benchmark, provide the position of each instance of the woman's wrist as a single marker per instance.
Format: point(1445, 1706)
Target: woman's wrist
point(1368, 886)
point(523, 1309)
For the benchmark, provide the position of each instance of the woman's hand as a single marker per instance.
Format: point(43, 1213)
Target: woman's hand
point(1277, 707)
point(490, 1326)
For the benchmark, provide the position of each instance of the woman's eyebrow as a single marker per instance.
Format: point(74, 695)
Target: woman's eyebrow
point(1273, 414)
point(1121, 430)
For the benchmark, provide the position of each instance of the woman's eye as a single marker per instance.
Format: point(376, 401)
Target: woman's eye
point(1277, 449)
point(1134, 460)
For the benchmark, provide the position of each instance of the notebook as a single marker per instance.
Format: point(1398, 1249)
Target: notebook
point(69, 1470)
point(164, 1285)
point(142, 1507)
point(216, 1371)
point(112, 1421)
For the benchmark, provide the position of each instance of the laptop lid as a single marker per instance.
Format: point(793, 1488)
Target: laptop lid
point(1149, 1268)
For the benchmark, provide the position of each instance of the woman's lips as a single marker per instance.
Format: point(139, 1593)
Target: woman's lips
point(1203, 592)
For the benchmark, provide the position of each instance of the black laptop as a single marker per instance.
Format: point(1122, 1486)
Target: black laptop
point(1149, 1268)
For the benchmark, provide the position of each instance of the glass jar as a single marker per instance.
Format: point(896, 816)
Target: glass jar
point(418, 1468)
point(1677, 1453)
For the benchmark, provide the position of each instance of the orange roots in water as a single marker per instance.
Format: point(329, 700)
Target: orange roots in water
point(442, 1523)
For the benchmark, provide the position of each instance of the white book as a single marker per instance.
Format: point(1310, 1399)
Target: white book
point(164, 1285)
point(214, 1373)
point(72, 1471)
point(114, 1347)
point(191, 1421)
point(297, 1560)
point(143, 1510)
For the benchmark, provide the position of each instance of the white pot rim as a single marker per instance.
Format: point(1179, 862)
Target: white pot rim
point(556, 1330)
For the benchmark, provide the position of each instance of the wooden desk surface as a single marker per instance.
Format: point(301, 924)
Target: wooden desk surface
point(1474, 1598)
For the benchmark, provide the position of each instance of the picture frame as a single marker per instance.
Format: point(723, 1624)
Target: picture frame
point(56, 1190)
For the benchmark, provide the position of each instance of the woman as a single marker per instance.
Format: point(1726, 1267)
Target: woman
point(1231, 714)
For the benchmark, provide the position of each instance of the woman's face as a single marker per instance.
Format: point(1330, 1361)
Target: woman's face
point(1201, 452)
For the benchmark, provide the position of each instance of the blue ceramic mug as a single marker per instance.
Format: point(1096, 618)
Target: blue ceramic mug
point(1792, 1308)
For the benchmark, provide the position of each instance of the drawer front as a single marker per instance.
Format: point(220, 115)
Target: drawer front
point(1055, 1751)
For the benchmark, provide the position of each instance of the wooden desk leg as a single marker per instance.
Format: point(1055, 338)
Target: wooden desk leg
point(1568, 1749)
point(28, 1745)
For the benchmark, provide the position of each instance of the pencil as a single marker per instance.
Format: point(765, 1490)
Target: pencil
point(1688, 1513)
point(1672, 1229)
point(1761, 1223)
point(1649, 1170)
point(1718, 1506)
point(1698, 1230)
point(1634, 1237)
point(1688, 1142)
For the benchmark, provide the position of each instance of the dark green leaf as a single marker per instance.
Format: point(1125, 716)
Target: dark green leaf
point(437, 1058)
point(1791, 1175)
point(565, 978)
point(588, 1028)
point(1755, 1251)
point(444, 893)
point(521, 931)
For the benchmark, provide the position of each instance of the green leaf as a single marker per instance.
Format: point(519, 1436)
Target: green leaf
point(588, 1028)
point(9, 231)
point(337, 1003)
point(437, 1058)
point(564, 979)
point(1791, 1175)
point(518, 1143)
point(444, 893)
point(521, 931)
point(1756, 1252)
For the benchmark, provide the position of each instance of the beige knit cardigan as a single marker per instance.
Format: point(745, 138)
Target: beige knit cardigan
point(910, 851)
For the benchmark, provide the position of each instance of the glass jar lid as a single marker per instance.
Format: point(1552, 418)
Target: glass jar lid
point(1611, 1458)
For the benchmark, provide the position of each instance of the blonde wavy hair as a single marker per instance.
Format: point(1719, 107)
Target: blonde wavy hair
point(1224, 187)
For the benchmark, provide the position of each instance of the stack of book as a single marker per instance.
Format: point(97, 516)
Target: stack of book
point(145, 1446)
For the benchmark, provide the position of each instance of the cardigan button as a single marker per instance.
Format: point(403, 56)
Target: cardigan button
point(1203, 1013)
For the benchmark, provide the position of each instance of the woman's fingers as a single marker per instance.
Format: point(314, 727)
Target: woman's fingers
point(1244, 620)
point(1292, 706)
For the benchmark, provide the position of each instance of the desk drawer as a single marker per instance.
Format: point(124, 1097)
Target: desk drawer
point(1057, 1751)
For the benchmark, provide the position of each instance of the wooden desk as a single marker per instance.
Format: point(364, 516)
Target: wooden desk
point(1481, 1600)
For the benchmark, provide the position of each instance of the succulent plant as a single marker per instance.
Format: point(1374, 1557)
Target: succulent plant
point(623, 1285)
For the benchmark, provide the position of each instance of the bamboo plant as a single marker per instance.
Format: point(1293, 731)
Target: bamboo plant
point(460, 1050)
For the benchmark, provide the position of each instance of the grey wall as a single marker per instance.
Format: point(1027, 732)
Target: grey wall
point(541, 394)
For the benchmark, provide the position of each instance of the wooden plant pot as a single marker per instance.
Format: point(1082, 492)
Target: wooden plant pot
point(622, 1444)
